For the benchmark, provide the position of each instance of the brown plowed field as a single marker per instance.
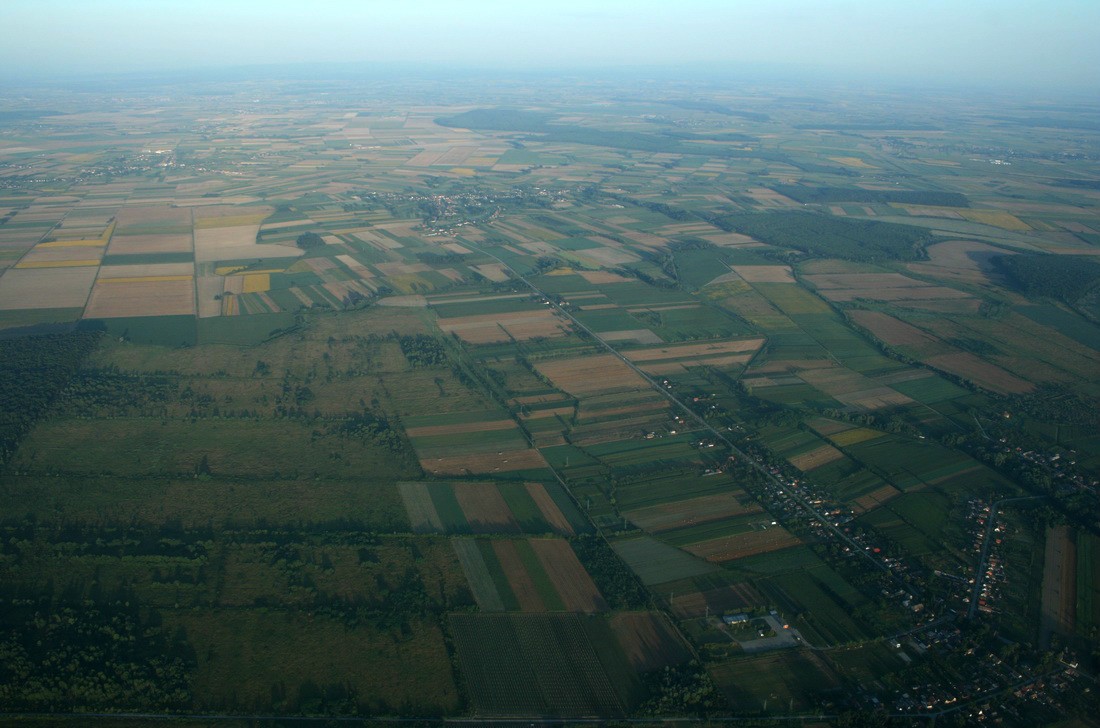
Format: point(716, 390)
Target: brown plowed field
point(648, 640)
point(484, 508)
point(689, 512)
point(549, 509)
point(728, 548)
point(590, 374)
point(518, 578)
point(984, 374)
point(575, 587)
point(816, 458)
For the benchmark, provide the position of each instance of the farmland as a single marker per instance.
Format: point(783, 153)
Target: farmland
point(402, 402)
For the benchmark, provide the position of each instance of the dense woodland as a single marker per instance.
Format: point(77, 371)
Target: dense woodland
point(824, 235)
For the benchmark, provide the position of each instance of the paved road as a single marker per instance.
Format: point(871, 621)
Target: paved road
point(979, 577)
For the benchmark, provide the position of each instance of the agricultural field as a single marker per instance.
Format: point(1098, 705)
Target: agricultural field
point(405, 402)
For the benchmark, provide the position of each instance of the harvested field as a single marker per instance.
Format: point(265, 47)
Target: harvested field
point(160, 243)
point(728, 548)
point(693, 350)
point(521, 582)
point(433, 430)
point(1059, 610)
point(816, 458)
point(601, 277)
point(894, 332)
point(152, 217)
point(875, 498)
point(43, 257)
point(549, 509)
point(234, 243)
point(573, 584)
point(492, 271)
point(488, 328)
point(834, 281)
point(484, 508)
point(693, 511)
point(111, 299)
point(46, 287)
point(965, 260)
point(418, 504)
point(982, 373)
point(503, 461)
point(648, 640)
point(642, 336)
point(172, 271)
point(591, 374)
point(996, 218)
point(909, 293)
point(477, 575)
point(764, 273)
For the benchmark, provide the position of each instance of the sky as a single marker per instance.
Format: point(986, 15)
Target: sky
point(1000, 43)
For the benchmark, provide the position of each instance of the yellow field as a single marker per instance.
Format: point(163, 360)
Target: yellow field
point(853, 162)
point(56, 263)
point(89, 243)
point(996, 218)
point(463, 171)
point(257, 283)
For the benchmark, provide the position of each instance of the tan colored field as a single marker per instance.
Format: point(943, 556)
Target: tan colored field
point(742, 545)
point(1059, 601)
point(152, 216)
point(996, 218)
point(143, 298)
point(816, 458)
point(549, 509)
point(137, 244)
point(965, 260)
point(894, 332)
point(692, 511)
point(488, 328)
point(575, 587)
point(491, 271)
point(601, 277)
point(46, 287)
point(853, 388)
point(853, 162)
point(854, 436)
point(504, 461)
point(433, 430)
point(982, 373)
point(875, 498)
point(42, 256)
point(231, 243)
point(485, 508)
point(207, 216)
point(764, 273)
point(913, 293)
point(642, 336)
point(207, 288)
point(590, 374)
point(864, 280)
point(691, 350)
point(523, 586)
point(146, 271)
point(543, 413)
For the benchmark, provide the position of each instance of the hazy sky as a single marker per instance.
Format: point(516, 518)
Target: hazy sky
point(1056, 42)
